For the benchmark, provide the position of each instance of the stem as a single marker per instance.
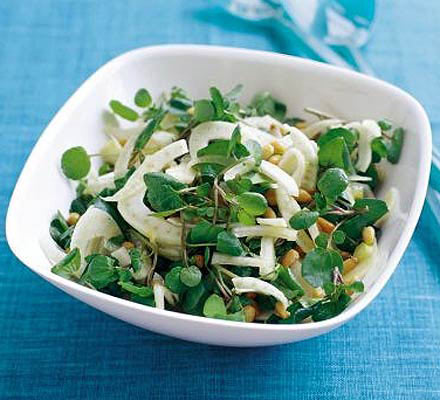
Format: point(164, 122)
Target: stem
point(227, 272)
point(183, 240)
point(321, 115)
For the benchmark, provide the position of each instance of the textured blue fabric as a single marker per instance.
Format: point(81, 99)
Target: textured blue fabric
point(55, 347)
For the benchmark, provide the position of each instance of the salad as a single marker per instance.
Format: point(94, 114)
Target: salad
point(216, 209)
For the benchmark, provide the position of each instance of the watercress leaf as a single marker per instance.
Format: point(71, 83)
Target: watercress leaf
point(336, 260)
point(344, 133)
point(255, 151)
point(204, 189)
point(379, 147)
point(60, 231)
point(335, 154)
point(204, 110)
point(264, 104)
point(240, 151)
point(370, 211)
point(239, 185)
point(372, 173)
point(330, 309)
point(135, 258)
point(217, 101)
point(204, 232)
point(190, 276)
point(228, 243)
point(215, 148)
point(101, 271)
point(173, 282)
point(214, 306)
point(138, 290)
point(395, 146)
point(357, 287)
point(333, 182)
point(162, 191)
point(142, 98)
point(286, 278)
point(235, 139)
point(253, 203)
point(385, 125)
point(105, 169)
point(75, 163)
point(145, 135)
point(329, 288)
point(245, 218)
point(238, 316)
point(234, 93)
point(69, 266)
point(194, 296)
point(123, 111)
point(338, 236)
point(208, 171)
point(322, 240)
point(303, 219)
point(317, 267)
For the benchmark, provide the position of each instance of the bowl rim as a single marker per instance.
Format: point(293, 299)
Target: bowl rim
point(232, 52)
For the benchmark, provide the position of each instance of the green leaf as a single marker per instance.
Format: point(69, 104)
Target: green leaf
point(253, 203)
point(69, 266)
point(142, 98)
point(204, 189)
point(357, 287)
point(263, 103)
point(329, 309)
point(190, 276)
point(217, 101)
point(234, 93)
point(322, 240)
point(239, 185)
point(162, 191)
point(385, 125)
point(335, 154)
point(235, 139)
point(204, 111)
point(333, 182)
point(303, 219)
point(101, 271)
point(379, 147)
point(75, 163)
point(215, 148)
point(395, 146)
point(194, 297)
point(228, 243)
point(138, 290)
point(338, 236)
point(318, 265)
point(173, 282)
point(286, 278)
point(135, 257)
point(214, 306)
point(204, 232)
point(346, 134)
point(123, 111)
point(145, 135)
point(245, 218)
point(371, 210)
point(238, 316)
point(60, 231)
point(209, 171)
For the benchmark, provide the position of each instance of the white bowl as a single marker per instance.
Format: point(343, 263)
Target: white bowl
point(41, 189)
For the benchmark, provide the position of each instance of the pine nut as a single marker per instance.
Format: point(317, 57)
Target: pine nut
point(267, 151)
point(271, 197)
point(303, 197)
point(275, 159)
point(73, 218)
point(278, 147)
point(301, 125)
point(368, 235)
point(269, 213)
point(324, 225)
point(128, 245)
point(280, 310)
point(249, 313)
point(199, 260)
point(290, 258)
point(349, 264)
point(345, 255)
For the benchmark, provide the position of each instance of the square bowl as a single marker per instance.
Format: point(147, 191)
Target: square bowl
point(296, 82)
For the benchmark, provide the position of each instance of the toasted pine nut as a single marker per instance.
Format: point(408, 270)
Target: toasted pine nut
point(128, 245)
point(249, 313)
point(275, 159)
point(278, 147)
point(290, 258)
point(299, 250)
point(269, 213)
point(324, 225)
point(303, 197)
point(271, 197)
point(267, 151)
point(301, 125)
point(345, 255)
point(251, 295)
point(280, 310)
point(349, 264)
point(199, 260)
point(73, 218)
point(368, 235)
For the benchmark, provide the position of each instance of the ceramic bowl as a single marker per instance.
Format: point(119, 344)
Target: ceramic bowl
point(41, 189)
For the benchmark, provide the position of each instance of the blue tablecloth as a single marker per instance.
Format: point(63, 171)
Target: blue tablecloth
point(55, 347)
